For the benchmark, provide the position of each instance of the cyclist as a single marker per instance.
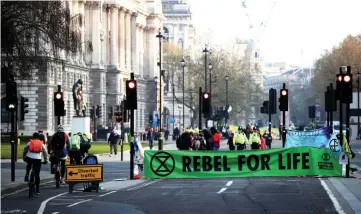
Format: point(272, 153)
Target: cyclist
point(84, 144)
point(59, 146)
point(32, 155)
point(74, 151)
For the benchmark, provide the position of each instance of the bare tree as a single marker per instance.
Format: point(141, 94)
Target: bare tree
point(33, 32)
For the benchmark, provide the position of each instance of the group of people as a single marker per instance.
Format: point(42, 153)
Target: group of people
point(211, 140)
point(59, 147)
point(243, 137)
point(201, 140)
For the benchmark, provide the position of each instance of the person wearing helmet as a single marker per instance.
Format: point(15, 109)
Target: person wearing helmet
point(59, 146)
point(255, 139)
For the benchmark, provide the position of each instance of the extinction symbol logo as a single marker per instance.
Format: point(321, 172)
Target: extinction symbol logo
point(334, 146)
point(326, 157)
point(162, 164)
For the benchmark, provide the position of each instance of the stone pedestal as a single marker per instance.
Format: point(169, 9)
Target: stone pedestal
point(81, 124)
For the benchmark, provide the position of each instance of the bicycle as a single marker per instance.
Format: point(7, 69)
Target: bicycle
point(58, 169)
point(31, 182)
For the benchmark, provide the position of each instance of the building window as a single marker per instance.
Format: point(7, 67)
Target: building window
point(5, 116)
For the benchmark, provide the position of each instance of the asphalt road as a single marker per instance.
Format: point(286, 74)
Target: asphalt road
point(252, 195)
point(356, 147)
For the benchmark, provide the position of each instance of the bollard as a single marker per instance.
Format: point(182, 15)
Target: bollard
point(121, 150)
point(160, 143)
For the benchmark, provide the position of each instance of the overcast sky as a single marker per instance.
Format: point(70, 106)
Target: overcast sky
point(295, 26)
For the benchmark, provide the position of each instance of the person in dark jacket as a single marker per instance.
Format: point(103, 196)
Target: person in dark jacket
point(208, 138)
point(184, 142)
point(230, 142)
point(113, 141)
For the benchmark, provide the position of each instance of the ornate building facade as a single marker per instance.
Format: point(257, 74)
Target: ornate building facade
point(178, 30)
point(123, 38)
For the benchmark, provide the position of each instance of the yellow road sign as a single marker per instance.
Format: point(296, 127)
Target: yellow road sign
point(84, 173)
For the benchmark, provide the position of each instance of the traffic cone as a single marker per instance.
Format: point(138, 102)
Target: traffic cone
point(136, 172)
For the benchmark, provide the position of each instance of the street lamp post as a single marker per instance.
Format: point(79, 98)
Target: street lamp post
point(183, 63)
point(210, 67)
point(226, 77)
point(205, 51)
point(160, 37)
point(173, 102)
point(160, 140)
point(358, 103)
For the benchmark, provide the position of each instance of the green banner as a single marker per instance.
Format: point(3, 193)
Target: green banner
point(296, 161)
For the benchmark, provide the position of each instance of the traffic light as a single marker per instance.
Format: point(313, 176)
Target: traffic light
point(131, 94)
point(346, 88)
point(23, 107)
point(11, 96)
point(98, 111)
point(312, 112)
point(111, 112)
point(265, 107)
point(283, 100)
point(272, 101)
point(59, 104)
point(92, 116)
point(206, 103)
point(338, 85)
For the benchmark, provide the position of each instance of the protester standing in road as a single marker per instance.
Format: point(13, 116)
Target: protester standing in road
point(150, 137)
point(216, 139)
point(113, 143)
point(231, 141)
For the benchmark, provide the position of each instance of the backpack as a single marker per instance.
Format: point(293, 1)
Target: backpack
point(58, 141)
point(75, 143)
point(36, 146)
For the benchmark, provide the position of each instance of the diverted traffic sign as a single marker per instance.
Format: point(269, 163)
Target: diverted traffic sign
point(296, 161)
point(84, 173)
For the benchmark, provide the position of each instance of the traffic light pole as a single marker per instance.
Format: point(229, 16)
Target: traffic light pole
point(13, 142)
point(132, 144)
point(200, 109)
point(284, 123)
point(334, 103)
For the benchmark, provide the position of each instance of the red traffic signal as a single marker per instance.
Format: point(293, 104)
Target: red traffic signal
point(206, 95)
point(283, 92)
point(347, 78)
point(58, 95)
point(131, 84)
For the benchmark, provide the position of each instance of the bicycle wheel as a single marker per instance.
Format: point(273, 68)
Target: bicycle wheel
point(57, 178)
point(31, 184)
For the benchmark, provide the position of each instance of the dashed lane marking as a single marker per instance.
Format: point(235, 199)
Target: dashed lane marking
point(229, 183)
point(143, 185)
point(72, 205)
point(335, 202)
point(107, 194)
point(43, 204)
point(222, 190)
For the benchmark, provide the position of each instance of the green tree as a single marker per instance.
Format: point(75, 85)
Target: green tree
point(33, 32)
point(348, 52)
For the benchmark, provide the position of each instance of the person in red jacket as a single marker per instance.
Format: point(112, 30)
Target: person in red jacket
point(216, 139)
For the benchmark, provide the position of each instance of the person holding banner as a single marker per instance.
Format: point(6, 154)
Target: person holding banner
point(255, 139)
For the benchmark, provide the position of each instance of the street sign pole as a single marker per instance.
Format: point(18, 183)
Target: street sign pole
point(132, 140)
point(13, 141)
point(200, 109)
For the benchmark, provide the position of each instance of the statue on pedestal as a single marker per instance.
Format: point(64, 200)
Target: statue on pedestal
point(78, 97)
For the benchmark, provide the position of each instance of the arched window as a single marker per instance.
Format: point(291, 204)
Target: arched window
point(166, 33)
point(5, 116)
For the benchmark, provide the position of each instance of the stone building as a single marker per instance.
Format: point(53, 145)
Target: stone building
point(123, 36)
point(179, 30)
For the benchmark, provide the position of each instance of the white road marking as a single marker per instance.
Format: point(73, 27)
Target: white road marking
point(43, 204)
point(107, 194)
point(71, 205)
point(349, 197)
point(143, 185)
point(229, 183)
point(222, 190)
point(55, 212)
point(332, 197)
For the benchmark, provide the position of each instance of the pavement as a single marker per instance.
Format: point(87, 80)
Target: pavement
point(234, 195)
